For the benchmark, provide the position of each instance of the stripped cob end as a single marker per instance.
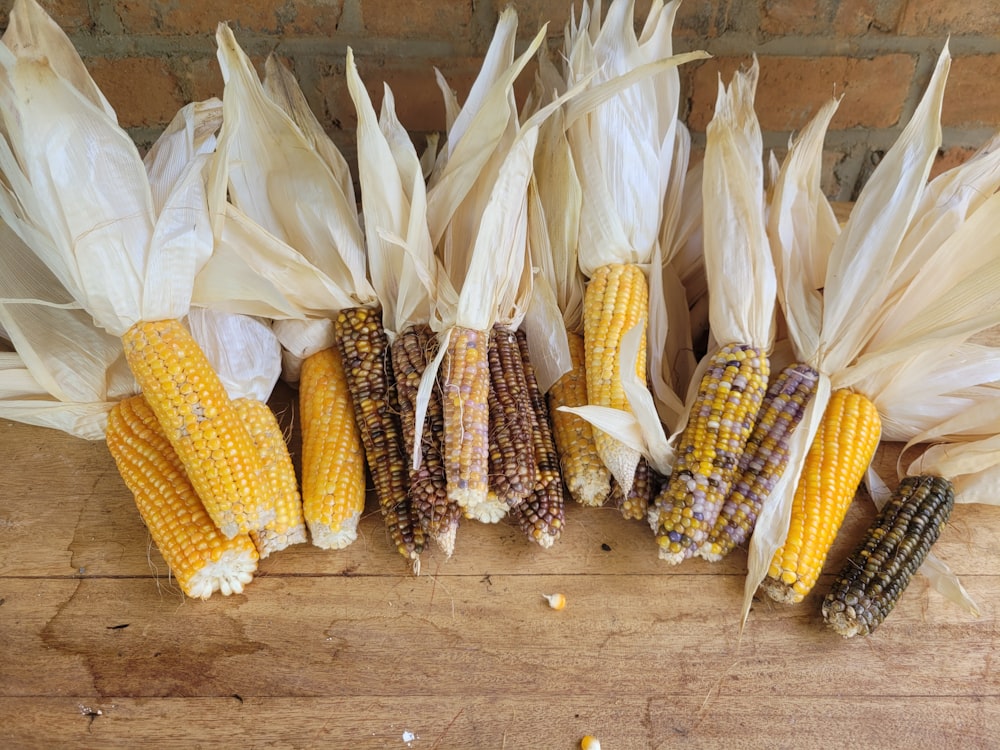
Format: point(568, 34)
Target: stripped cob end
point(709, 449)
point(282, 488)
point(875, 576)
point(542, 515)
point(364, 350)
point(616, 299)
point(764, 459)
point(465, 386)
point(333, 464)
point(647, 484)
point(837, 460)
point(201, 559)
point(411, 351)
point(587, 478)
point(200, 421)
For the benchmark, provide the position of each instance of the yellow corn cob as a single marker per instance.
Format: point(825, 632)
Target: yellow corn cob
point(364, 350)
point(587, 478)
point(282, 487)
point(709, 450)
point(465, 386)
point(199, 556)
point(616, 299)
point(333, 462)
point(200, 422)
point(835, 465)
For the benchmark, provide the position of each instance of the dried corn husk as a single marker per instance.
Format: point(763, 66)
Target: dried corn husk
point(857, 332)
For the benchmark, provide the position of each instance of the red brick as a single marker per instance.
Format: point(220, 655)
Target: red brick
point(791, 89)
point(949, 158)
point(956, 17)
point(704, 20)
point(264, 16)
point(531, 14)
point(143, 90)
point(971, 97)
point(423, 20)
point(828, 17)
point(419, 103)
point(71, 15)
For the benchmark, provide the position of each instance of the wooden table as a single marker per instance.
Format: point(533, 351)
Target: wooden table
point(99, 649)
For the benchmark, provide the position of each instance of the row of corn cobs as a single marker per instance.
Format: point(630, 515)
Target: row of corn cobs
point(215, 485)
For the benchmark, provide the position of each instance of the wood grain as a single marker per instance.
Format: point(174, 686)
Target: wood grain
point(348, 649)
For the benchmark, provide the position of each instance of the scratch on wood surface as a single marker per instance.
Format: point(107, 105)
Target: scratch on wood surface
point(447, 727)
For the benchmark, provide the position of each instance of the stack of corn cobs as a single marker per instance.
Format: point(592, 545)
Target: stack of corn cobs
point(549, 302)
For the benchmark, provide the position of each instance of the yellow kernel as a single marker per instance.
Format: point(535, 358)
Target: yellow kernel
point(556, 601)
point(589, 742)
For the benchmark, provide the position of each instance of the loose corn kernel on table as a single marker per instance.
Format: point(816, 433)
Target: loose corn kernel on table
point(349, 649)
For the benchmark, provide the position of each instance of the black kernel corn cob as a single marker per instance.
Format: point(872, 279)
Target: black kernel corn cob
point(543, 514)
point(874, 577)
point(709, 449)
point(764, 459)
point(512, 457)
point(413, 348)
point(364, 349)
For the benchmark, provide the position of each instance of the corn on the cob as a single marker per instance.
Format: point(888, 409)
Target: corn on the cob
point(465, 384)
point(875, 576)
point(615, 300)
point(838, 457)
point(200, 422)
point(411, 352)
point(199, 556)
point(587, 478)
point(333, 463)
point(635, 505)
point(542, 515)
point(764, 459)
point(364, 351)
point(279, 480)
point(709, 449)
point(512, 456)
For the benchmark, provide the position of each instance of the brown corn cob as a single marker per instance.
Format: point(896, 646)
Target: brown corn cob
point(364, 349)
point(411, 351)
point(542, 515)
point(875, 576)
point(512, 457)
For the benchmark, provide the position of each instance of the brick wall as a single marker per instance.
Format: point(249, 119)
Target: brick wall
point(152, 57)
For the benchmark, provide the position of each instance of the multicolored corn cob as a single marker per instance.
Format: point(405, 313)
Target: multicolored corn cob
point(201, 559)
point(895, 546)
point(709, 449)
point(364, 351)
point(412, 350)
point(279, 480)
point(615, 300)
point(835, 465)
point(764, 459)
point(333, 461)
point(512, 456)
point(635, 505)
point(587, 478)
point(200, 422)
point(543, 514)
point(465, 386)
